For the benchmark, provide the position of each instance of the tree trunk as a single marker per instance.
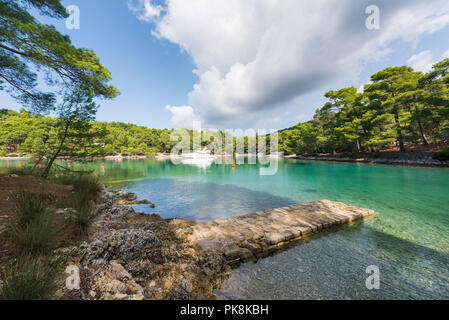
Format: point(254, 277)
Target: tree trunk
point(49, 165)
point(56, 154)
point(423, 136)
point(400, 136)
point(421, 130)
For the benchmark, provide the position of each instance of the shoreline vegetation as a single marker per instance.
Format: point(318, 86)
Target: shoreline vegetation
point(121, 254)
point(421, 159)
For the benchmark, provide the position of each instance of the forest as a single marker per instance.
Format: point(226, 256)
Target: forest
point(25, 133)
point(398, 109)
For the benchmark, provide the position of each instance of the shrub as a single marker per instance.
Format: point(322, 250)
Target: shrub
point(24, 171)
point(86, 190)
point(82, 182)
point(29, 279)
point(28, 206)
point(31, 229)
point(87, 185)
point(66, 177)
point(83, 219)
point(443, 155)
point(36, 237)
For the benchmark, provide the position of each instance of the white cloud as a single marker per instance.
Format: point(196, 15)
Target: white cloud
point(145, 10)
point(446, 55)
point(254, 56)
point(182, 117)
point(422, 61)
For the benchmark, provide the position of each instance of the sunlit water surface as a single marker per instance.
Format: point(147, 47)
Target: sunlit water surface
point(408, 241)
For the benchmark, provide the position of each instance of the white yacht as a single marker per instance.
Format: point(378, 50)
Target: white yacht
point(199, 154)
point(199, 158)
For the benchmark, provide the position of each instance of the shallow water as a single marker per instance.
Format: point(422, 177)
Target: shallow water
point(408, 241)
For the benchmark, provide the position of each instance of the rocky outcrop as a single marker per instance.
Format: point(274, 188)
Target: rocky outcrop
point(259, 234)
point(139, 256)
point(109, 280)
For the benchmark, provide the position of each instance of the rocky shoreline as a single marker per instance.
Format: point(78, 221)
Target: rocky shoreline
point(423, 159)
point(136, 256)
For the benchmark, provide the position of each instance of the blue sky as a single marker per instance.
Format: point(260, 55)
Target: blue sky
point(157, 54)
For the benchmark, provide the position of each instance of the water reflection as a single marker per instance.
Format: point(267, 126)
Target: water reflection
point(203, 201)
point(332, 266)
point(408, 241)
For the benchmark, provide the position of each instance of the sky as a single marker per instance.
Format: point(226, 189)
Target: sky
point(261, 64)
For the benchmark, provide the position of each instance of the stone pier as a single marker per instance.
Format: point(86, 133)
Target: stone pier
point(254, 235)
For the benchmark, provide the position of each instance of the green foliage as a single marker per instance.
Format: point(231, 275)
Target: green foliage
point(3, 151)
point(36, 237)
point(75, 74)
point(83, 219)
point(29, 279)
point(86, 190)
point(443, 155)
point(400, 106)
point(26, 44)
point(41, 137)
point(31, 229)
point(24, 171)
point(28, 206)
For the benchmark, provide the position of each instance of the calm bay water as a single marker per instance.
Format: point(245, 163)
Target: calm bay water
point(409, 241)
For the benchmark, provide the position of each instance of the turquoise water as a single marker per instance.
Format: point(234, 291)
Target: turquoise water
point(409, 241)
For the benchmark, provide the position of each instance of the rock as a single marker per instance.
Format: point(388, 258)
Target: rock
point(142, 218)
point(84, 245)
point(181, 223)
point(255, 248)
point(122, 245)
point(245, 253)
point(98, 243)
point(121, 194)
point(68, 212)
point(121, 211)
point(110, 281)
point(210, 245)
point(128, 251)
point(183, 290)
point(234, 253)
point(126, 202)
point(275, 238)
point(108, 195)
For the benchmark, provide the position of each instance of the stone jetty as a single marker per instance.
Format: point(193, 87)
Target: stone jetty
point(254, 235)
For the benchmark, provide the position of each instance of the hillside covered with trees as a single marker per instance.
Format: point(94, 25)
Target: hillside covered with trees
point(399, 107)
point(31, 134)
